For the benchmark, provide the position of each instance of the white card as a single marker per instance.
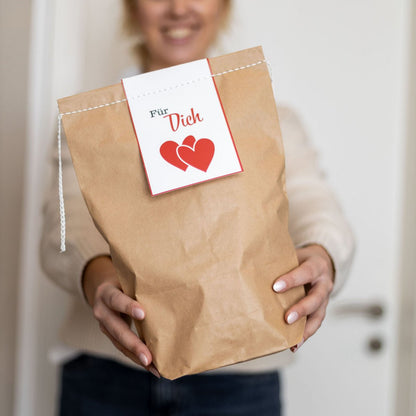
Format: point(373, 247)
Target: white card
point(181, 128)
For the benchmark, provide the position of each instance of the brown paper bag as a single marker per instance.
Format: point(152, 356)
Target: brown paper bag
point(201, 260)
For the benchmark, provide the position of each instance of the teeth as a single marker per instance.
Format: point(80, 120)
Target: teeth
point(179, 33)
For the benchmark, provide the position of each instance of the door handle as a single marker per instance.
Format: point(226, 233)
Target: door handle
point(373, 310)
point(375, 345)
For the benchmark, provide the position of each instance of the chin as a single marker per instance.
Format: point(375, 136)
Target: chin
point(179, 54)
point(182, 58)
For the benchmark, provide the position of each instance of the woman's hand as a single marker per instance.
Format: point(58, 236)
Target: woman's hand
point(114, 310)
point(316, 271)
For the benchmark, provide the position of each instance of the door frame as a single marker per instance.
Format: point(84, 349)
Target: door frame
point(27, 369)
point(406, 360)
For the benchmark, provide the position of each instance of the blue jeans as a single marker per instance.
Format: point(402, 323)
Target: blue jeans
point(95, 386)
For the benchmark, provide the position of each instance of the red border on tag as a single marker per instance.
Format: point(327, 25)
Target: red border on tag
point(195, 183)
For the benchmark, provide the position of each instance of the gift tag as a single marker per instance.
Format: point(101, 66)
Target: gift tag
point(180, 125)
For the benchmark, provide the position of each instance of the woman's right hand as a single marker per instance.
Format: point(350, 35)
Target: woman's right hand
point(114, 310)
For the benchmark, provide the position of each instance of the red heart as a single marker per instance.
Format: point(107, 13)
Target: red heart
point(199, 156)
point(189, 141)
point(168, 152)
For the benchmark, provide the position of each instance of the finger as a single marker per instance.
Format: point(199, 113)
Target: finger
point(128, 354)
point(154, 370)
point(307, 272)
point(297, 346)
point(316, 297)
point(304, 253)
point(313, 323)
point(121, 332)
point(120, 347)
point(116, 300)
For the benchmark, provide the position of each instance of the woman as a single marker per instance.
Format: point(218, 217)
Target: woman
point(110, 379)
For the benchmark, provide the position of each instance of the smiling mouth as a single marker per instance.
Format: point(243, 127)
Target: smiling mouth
point(179, 34)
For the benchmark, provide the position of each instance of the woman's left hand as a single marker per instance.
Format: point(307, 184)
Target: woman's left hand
point(316, 272)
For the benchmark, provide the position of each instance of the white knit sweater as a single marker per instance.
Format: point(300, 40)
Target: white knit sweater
point(314, 217)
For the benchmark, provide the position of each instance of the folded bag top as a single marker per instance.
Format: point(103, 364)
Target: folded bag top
point(202, 258)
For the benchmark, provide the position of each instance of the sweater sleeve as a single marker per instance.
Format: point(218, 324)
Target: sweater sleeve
point(315, 215)
point(83, 241)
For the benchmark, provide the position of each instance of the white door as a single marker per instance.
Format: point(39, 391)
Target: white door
point(341, 65)
point(349, 59)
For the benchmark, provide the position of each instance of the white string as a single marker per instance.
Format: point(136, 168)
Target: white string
point(94, 108)
point(60, 186)
point(166, 89)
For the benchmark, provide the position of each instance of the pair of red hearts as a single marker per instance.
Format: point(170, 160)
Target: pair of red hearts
point(196, 153)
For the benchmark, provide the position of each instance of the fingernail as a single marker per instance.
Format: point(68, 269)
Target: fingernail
point(138, 313)
point(297, 346)
point(279, 285)
point(293, 316)
point(143, 359)
point(153, 370)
